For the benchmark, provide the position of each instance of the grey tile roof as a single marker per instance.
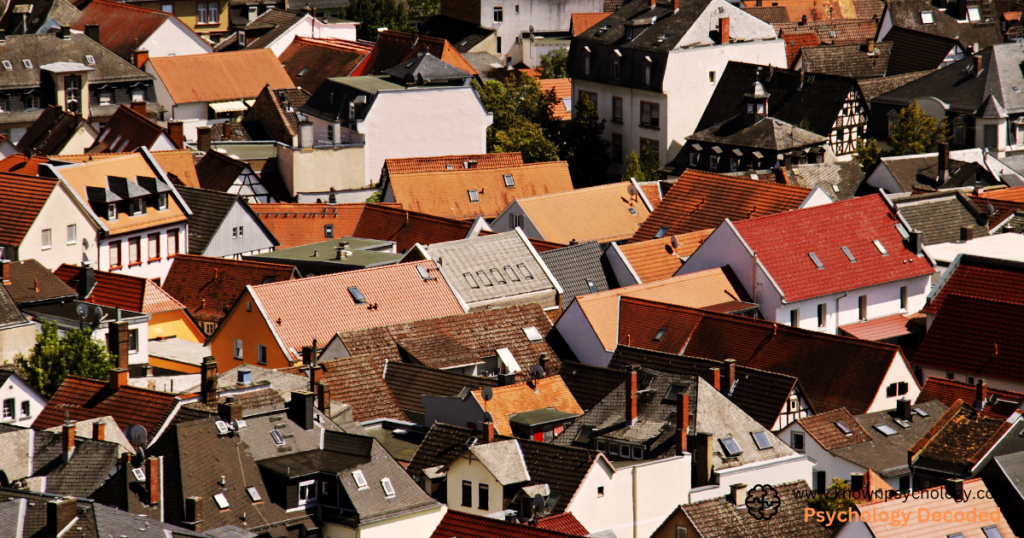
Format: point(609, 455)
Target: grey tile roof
point(45, 49)
point(61, 11)
point(410, 382)
point(768, 134)
point(847, 60)
point(873, 87)
point(719, 517)
point(488, 271)
point(839, 180)
point(461, 34)
point(273, 23)
point(209, 208)
point(921, 171)
point(907, 14)
point(442, 444)
point(574, 265)
point(261, 446)
point(590, 384)
point(940, 216)
point(914, 51)
point(426, 68)
point(487, 65)
point(887, 456)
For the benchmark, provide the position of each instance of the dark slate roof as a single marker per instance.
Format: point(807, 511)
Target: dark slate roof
point(920, 172)
point(887, 455)
point(562, 468)
point(442, 444)
point(48, 134)
point(217, 171)
point(847, 60)
point(907, 14)
point(591, 384)
point(61, 11)
point(84, 473)
point(666, 22)
point(425, 68)
point(9, 315)
point(916, 51)
point(272, 23)
point(28, 276)
point(209, 209)
point(964, 90)
point(719, 517)
point(574, 265)
point(839, 180)
point(331, 99)
point(759, 393)
point(819, 101)
point(873, 87)
point(941, 215)
point(45, 49)
point(461, 34)
point(410, 382)
point(769, 134)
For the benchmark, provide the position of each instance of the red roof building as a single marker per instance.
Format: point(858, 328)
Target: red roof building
point(128, 130)
point(999, 404)
point(463, 525)
point(125, 28)
point(393, 48)
point(310, 61)
point(386, 222)
point(23, 165)
point(983, 278)
point(294, 225)
point(564, 523)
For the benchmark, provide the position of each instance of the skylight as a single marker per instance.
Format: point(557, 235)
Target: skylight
point(139, 474)
point(973, 15)
point(849, 254)
point(89, 59)
point(673, 392)
point(591, 286)
point(357, 295)
point(470, 280)
point(360, 479)
point(660, 334)
point(903, 231)
point(902, 423)
point(885, 429)
point(661, 232)
point(761, 438)
point(920, 412)
point(511, 274)
point(817, 262)
point(509, 181)
point(732, 448)
point(526, 272)
point(474, 198)
point(276, 436)
point(483, 278)
point(222, 427)
point(927, 18)
point(532, 334)
point(992, 532)
point(632, 210)
point(389, 490)
point(27, 64)
point(221, 500)
point(303, 71)
point(844, 428)
point(254, 494)
point(7, 65)
point(498, 277)
point(878, 245)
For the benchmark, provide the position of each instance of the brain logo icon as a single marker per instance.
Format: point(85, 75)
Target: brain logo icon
point(763, 502)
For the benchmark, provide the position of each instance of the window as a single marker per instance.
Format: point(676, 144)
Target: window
point(885, 429)
point(881, 249)
point(649, 115)
point(357, 296)
point(115, 254)
point(106, 98)
point(863, 307)
point(9, 409)
point(26, 408)
point(302, 72)
point(732, 448)
point(138, 95)
point(498, 15)
point(761, 438)
point(72, 234)
point(276, 436)
point(616, 148)
point(734, 163)
point(234, 233)
point(517, 8)
point(3, 105)
point(154, 246)
point(590, 286)
point(32, 102)
point(973, 15)
point(167, 8)
point(509, 181)
point(261, 354)
point(474, 197)
point(616, 110)
point(927, 18)
point(307, 492)
point(27, 64)
point(241, 231)
point(172, 242)
point(133, 341)
point(903, 297)
point(794, 317)
point(137, 206)
point(201, 13)
point(161, 201)
point(248, 306)
point(134, 254)
point(526, 272)
point(360, 479)
point(901, 388)
point(713, 161)
point(992, 532)
point(586, 64)
point(797, 441)
point(991, 136)
point(615, 69)
point(111, 211)
point(238, 349)
point(7, 65)
point(467, 493)
point(47, 237)
point(511, 273)
point(694, 158)
point(647, 75)
point(72, 92)
point(329, 231)
point(711, 77)
point(822, 314)
point(904, 484)
point(482, 500)
point(532, 334)
point(600, 491)
point(498, 40)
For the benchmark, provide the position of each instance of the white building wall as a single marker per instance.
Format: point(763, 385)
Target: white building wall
point(418, 525)
point(574, 327)
point(58, 212)
point(883, 300)
point(778, 471)
point(18, 390)
point(882, 178)
point(310, 27)
point(148, 269)
point(824, 460)
point(543, 15)
point(964, 378)
point(472, 470)
point(898, 372)
point(624, 274)
point(174, 38)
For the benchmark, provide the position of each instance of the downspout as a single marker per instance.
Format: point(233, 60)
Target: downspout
point(635, 508)
point(753, 281)
point(837, 309)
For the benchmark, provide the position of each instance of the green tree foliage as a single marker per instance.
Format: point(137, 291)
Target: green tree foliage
point(424, 9)
point(587, 153)
point(643, 167)
point(868, 154)
point(376, 197)
point(917, 132)
point(837, 498)
point(555, 64)
point(521, 117)
point(526, 137)
point(54, 358)
point(373, 14)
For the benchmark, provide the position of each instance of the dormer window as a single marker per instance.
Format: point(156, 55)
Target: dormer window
point(927, 17)
point(161, 201)
point(137, 206)
point(973, 14)
point(111, 211)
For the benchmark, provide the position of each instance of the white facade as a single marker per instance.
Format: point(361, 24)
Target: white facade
point(510, 20)
point(777, 471)
point(310, 27)
point(174, 38)
point(824, 461)
point(60, 231)
point(532, 48)
point(20, 404)
point(577, 332)
point(416, 525)
point(146, 267)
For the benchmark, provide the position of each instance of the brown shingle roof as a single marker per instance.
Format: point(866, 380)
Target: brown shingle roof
point(960, 438)
point(547, 392)
point(123, 27)
point(89, 398)
point(999, 403)
point(31, 282)
point(209, 286)
point(769, 14)
point(321, 59)
point(719, 518)
point(126, 131)
point(22, 198)
point(483, 161)
point(204, 78)
point(48, 134)
point(358, 382)
point(406, 228)
point(409, 382)
point(824, 429)
point(295, 225)
point(393, 48)
point(599, 213)
point(117, 290)
point(650, 259)
point(217, 171)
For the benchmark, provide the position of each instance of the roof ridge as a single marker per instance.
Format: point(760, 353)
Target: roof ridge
point(334, 43)
point(343, 274)
point(644, 285)
point(211, 259)
point(498, 170)
point(607, 186)
point(161, 14)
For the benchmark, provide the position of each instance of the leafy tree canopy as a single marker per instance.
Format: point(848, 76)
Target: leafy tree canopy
point(521, 117)
point(374, 14)
point(586, 151)
point(55, 357)
point(555, 64)
point(917, 132)
point(643, 167)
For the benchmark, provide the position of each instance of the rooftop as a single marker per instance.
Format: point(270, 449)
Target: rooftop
point(341, 252)
point(651, 260)
point(122, 26)
point(719, 517)
point(24, 198)
point(999, 404)
point(204, 78)
point(1009, 247)
point(579, 270)
point(89, 398)
point(122, 291)
point(295, 225)
point(546, 393)
point(980, 277)
point(388, 222)
point(604, 213)
point(393, 48)
point(483, 161)
point(887, 454)
point(319, 59)
point(32, 283)
point(825, 429)
point(209, 286)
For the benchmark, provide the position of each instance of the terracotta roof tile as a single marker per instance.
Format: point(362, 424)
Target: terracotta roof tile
point(22, 165)
point(650, 259)
point(483, 161)
point(784, 241)
point(409, 382)
point(999, 403)
point(653, 193)
point(319, 307)
point(599, 213)
point(701, 200)
point(445, 193)
point(31, 282)
point(203, 78)
point(127, 130)
point(933, 501)
point(406, 228)
point(795, 41)
point(984, 278)
point(563, 90)
point(393, 48)
point(179, 166)
point(882, 328)
point(321, 59)
point(1015, 194)
point(824, 429)
point(89, 398)
point(960, 438)
point(547, 392)
point(835, 31)
point(209, 286)
point(358, 382)
point(123, 27)
point(22, 198)
point(126, 292)
point(565, 523)
point(581, 22)
point(769, 14)
point(469, 526)
point(294, 225)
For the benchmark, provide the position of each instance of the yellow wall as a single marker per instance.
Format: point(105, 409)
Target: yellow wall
point(186, 11)
point(157, 362)
point(251, 328)
point(175, 323)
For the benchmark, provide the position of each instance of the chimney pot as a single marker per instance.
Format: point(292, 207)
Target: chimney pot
point(966, 233)
point(67, 438)
point(99, 430)
point(682, 421)
point(739, 494)
point(714, 378)
point(140, 57)
point(93, 32)
point(65, 32)
point(153, 480)
point(631, 412)
point(723, 30)
point(917, 242)
point(955, 488)
point(903, 411)
point(730, 368)
point(208, 380)
point(488, 433)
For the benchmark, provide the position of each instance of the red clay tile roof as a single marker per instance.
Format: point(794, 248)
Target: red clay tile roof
point(984, 278)
point(563, 90)
point(445, 193)
point(650, 259)
point(204, 78)
point(126, 292)
point(31, 283)
point(89, 398)
point(393, 48)
point(977, 337)
point(319, 307)
point(209, 286)
point(602, 213)
point(20, 164)
point(880, 328)
point(653, 193)
point(294, 225)
point(462, 525)
point(769, 14)
point(851, 383)
point(127, 130)
point(413, 165)
point(823, 429)
point(123, 27)
point(548, 392)
point(406, 228)
point(1015, 194)
point(948, 391)
point(796, 40)
point(962, 436)
point(322, 59)
point(179, 166)
point(1011, 16)
point(581, 22)
point(783, 243)
point(835, 31)
point(701, 200)
point(356, 381)
point(22, 198)
point(566, 523)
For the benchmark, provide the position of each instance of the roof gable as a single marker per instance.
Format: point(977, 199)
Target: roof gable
point(604, 213)
point(393, 48)
point(203, 78)
point(999, 404)
point(388, 222)
point(320, 59)
point(940, 217)
point(126, 131)
point(209, 286)
point(578, 269)
point(655, 259)
point(49, 133)
point(22, 198)
point(209, 209)
point(123, 27)
point(824, 429)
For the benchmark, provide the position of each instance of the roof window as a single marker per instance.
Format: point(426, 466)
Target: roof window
point(470, 280)
point(89, 59)
point(591, 286)
point(27, 64)
point(222, 427)
point(844, 428)
point(221, 500)
point(973, 14)
point(927, 18)
point(992, 532)
point(357, 295)
point(254, 494)
point(761, 438)
point(632, 210)
point(526, 272)
point(660, 334)
point(474, 198)
point(817, 262)
point(449, 167)
point(511, 274)
point(497, 276)
point(920, 412)
point(357, 475)
point(7, 65)
point(532, 334)
point(139, 474)
point(846, 250)
point(903, 424)
point(732, 448)
point(509, 181)
point(878, 245)
point(673, 392)
point(303, 71)
point(885, 429)
point(661, 232)
point(389, 490)
point(483, 278)
point(276, 436)
point(329, 231)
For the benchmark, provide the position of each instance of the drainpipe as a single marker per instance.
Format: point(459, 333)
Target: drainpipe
point(636, 510)
point(837, 309)
point(753, 281)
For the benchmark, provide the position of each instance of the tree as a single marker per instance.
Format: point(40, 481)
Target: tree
point(838, 498)
point(528, 138)
point(555, 64)
point(916, 132)
point(868, 154)
point(54, 358)
point(644, 167)
point(424, 9)
point(373, 14)
point(522, 119)
point(586, 151)
point(376, 197)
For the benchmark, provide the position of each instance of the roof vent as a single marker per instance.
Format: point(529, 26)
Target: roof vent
point(817, 262)
point(244, 376)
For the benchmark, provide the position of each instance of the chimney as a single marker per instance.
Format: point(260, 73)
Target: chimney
point(300, 409)
point(723, 30)
point(208, 381)
point(714, 379)
point(682, 421)
point(230, 410)
point(139, 107)
point(802, 77)
point(140, 57)
point(99, 430)
point(488, 433)
point(966, 234)
point(65, 32)
point(194, 513)
point(739, 494)
point(903, 409)
point(955, 488)
point(506, 379)
point(307, 355)
point(917, 242)
point(803, 21)
point(152, 480)
point(703, 456)
point(92, 31)
point(856, 483)
point(323, 397)
point(543, 361)
point(943, 162)
point(631, 398)
point(5, 268)
point(675, 5)
point(730, 377)
point(336, 133)
point(67, 440)
point(978, 65)
point(871, 45)
point(86, 281)
point(981, 395)
point(979, 189)
point(959, 10)
point(203, 138)
point(176, 132)
point(244, 376)
point(59, 514)
point(941, 4)
point(118, 344)
point(305, 134)
point(654, 3)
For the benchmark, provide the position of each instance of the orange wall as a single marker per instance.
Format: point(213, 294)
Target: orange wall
point(175, 323)
point(251, 328)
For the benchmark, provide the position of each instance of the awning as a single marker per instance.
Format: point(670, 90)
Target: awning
point(716, 149)
point(237, 105)
point(508, 361)
point(697, 147)
point(758, 154)
point(737, 152)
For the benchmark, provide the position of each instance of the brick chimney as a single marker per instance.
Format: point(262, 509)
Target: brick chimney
point(139, 107)
point(67, 440)
point(140, 57)
point(980, 395)
point(99, 430)
point(631, 398)
point(5, 270)
point(194, 513)
point(723, 30)
point(203, 138)
point(714, 378)
point(230, 410)
point(300, 409)
point(488, 433)
point(871, 45)
point(208, 381)
point(152, 480)
point(730, 374)
point(979, 65)
point(118, 344)
point(176, 132)
point(682, 421)
point(675, 5)
point(92, 31)
point(226, 130)
point(65, 32)
point(966, 234)
point(59, 514)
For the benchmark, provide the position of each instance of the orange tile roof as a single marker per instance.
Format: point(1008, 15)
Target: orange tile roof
point(22, 198)
point(320, 307)
point(822, 428)
point(94, 174)
point(294, 225)
point(393, 48)
point(948, 391)
point(814, 10)
point(595, 213)
point(204, 78)
point(179, 166)
point(118, 290)
point(563, 90)
point(445, 193)
point(20, 164)
point(482, 161)
point(548, 392)
point(934, 501)
point(796, 40)
point(882, 328)
point(1014, 194)
point(581, 22)
point(651, 261)
point(695, 290)
point(653, 192)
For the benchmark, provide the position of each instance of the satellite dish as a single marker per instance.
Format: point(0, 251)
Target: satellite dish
point(98, 312)
point(675, 242)
point(85, 242)
point(632, 190)
point(488, 418)
point(140, 456)
point(538, 503)
point(487, 393)
point(82, 311)
point(136, 434)
point(537, 371)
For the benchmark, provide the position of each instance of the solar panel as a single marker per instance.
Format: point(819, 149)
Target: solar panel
point(844, 428)
point(817, 262)
point(732, 448)
point(885, 429)
point(761, 438)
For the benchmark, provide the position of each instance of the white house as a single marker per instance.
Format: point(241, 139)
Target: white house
point(823, 267)
point(302, 25)
point(154, 33)
point(651, 68)
point(21, 403)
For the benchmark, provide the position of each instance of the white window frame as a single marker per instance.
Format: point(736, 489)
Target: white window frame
point(72, 234)
point(973, 14)
point(9, 411)
point(47, 239)
point(26, 408)
point(389, 488)
point(311, 485)
point(161, 201)
point(499, 15)
point(238, 348)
